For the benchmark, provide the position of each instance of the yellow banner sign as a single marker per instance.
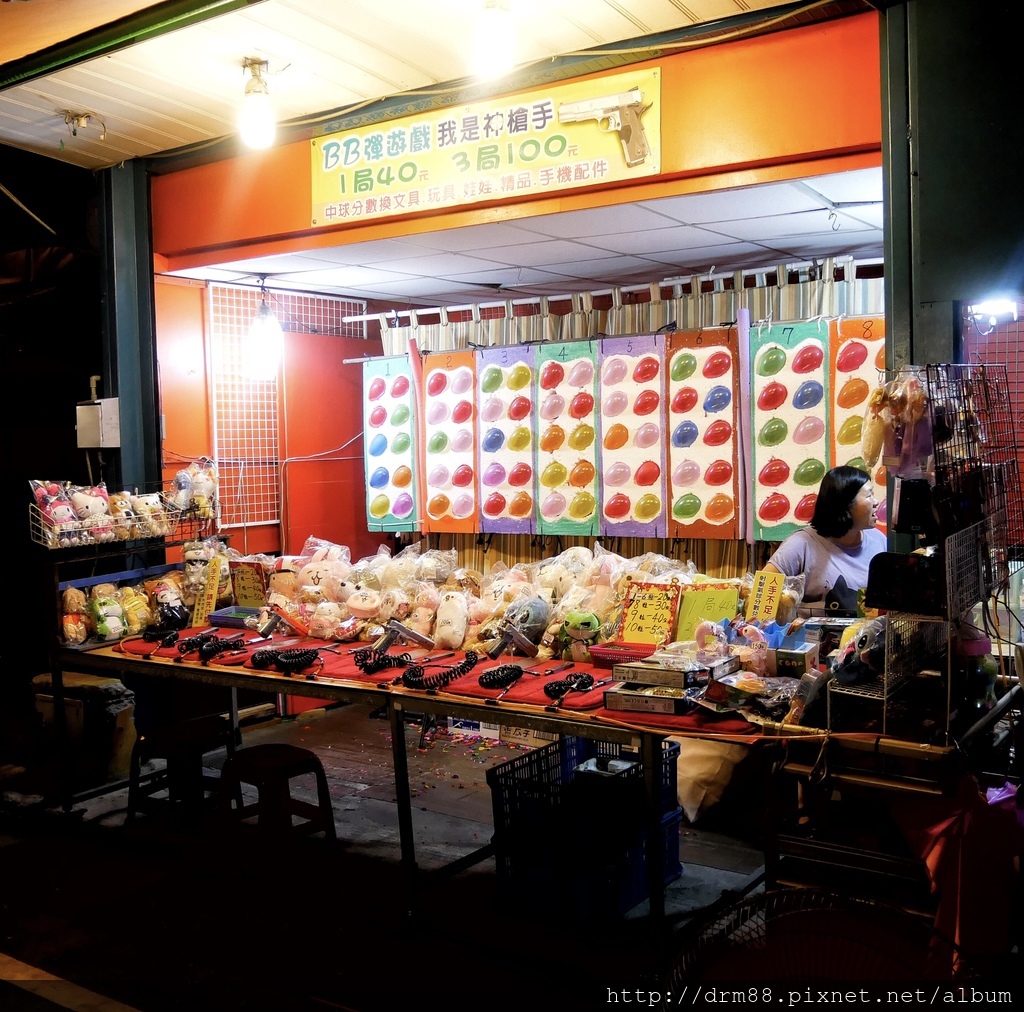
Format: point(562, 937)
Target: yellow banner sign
point(560, 137)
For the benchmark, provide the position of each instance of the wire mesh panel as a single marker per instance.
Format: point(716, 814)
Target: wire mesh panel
point(245, 402)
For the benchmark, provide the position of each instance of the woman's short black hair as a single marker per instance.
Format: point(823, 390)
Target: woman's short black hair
point(838, 489)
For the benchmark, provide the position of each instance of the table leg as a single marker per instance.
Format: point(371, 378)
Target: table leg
point(403, 798)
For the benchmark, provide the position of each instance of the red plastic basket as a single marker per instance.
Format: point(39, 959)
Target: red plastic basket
point(607, 655)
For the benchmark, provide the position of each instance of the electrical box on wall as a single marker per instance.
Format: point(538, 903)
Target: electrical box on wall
point(99, 423)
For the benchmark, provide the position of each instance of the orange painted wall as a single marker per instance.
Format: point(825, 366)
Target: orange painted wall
point(323, 417)
point(785, 105)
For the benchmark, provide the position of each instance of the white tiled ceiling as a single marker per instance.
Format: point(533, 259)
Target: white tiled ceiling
point(183, 88)
point(592, 250)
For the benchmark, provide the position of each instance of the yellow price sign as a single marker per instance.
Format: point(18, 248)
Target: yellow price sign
point(206, 601)
point(650, 612)
point(249, 582)
point(763, 603)
point(711, 605)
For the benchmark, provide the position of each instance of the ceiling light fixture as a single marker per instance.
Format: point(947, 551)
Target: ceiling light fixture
point(76, 121)
point(256, 124)
point(494, 43)
point(266, 340)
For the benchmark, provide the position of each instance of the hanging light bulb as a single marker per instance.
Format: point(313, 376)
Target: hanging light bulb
point(257, 124)
point(266, 341)
point(494, 45)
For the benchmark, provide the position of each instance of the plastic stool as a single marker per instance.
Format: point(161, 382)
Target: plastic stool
point(183, 746)
point(270, 769)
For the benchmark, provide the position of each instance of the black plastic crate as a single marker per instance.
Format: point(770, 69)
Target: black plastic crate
point(581, 839)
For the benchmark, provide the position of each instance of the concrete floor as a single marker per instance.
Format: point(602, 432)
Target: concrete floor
point(157, 916)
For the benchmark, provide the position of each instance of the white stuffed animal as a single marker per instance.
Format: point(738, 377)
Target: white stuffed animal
point(452, 620)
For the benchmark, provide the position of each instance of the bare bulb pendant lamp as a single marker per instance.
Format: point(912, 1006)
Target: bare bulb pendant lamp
point(257, 124)
point(263, 350)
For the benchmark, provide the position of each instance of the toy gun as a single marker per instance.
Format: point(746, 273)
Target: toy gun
point(511, 633)
point(395, 631)
point(619, 113)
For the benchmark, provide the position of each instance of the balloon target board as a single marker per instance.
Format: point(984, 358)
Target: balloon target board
point(703, 445)
point(790, 431)
point(856, 360)
point(567, 423)
point(632, 456)
point(507, 407)
point(390, 445)
point(449, 433)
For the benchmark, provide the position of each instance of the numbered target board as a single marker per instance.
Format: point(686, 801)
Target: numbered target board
point(856, 364)
point(390, 445)
point(703, 444)
point(632, 455)
point(790, 434)
point(506, 408)
point(449, 433)
point(566, 418)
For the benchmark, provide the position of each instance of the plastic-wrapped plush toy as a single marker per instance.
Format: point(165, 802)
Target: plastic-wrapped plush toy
point(325, 565)
point(364, 603)
point(327, 620)
point(93, 511)
point(108, 618)
point(452, 620)
point(127, 523)
point(75, 616)
point(861, 655)
point(135, 605)
point(62, 529)
point(530, 616)
point(203, 482)
point(425, 606)
point(152, 514)
point(168, 608)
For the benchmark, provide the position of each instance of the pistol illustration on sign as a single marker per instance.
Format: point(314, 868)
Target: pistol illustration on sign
point(614, 113)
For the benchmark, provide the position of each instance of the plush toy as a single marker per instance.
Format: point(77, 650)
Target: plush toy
point(861, 656)
point(452, 620)
point(421, 619)
point(580, 630)
point(75, 616)
point(108, 618)
point(127, 522)
point(180, 495)
point(152, 515)
point(530, 616)
point(60, 527)
point(283, 584)
point(363, 603)
point(326, 569)
point(135, 605)
point(203, 478)
point(326, 620)
point(395, 604)
point(171, 612)
point(92, 509)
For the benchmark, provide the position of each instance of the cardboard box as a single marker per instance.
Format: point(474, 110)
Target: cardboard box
point(635, 698)
point(462, 725)
point(653, 674)
point(793, 661)
point(526, 736)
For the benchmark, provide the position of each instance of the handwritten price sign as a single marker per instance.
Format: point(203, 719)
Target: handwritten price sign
point(650, 612)
point(700, 605)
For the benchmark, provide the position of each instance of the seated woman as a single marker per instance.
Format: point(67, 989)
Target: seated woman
point(835, 551)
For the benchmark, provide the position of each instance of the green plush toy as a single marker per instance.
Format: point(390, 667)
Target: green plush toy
point(579, 632)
